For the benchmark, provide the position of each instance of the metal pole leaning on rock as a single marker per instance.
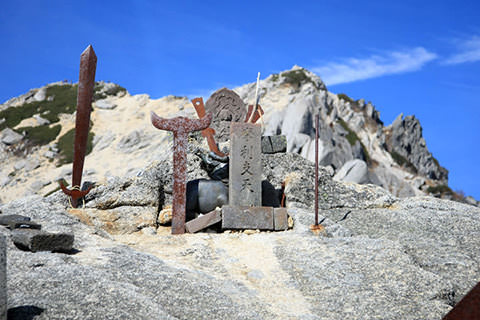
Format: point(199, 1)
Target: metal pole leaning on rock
point(180, 126)
point(86, 83)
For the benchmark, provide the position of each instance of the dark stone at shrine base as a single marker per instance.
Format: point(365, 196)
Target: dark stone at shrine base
point(280, 219)
point(6, 220)
point(204, 221)
point(35, 240)
point(247, 218)
point(274, 144)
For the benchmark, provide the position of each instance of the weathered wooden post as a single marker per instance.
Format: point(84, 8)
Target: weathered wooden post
point(180, 126)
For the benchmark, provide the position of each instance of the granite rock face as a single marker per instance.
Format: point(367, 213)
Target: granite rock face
point(353, 171)
point(398, 259)
point(10, 137)
point(406, 139)
point(349, 130)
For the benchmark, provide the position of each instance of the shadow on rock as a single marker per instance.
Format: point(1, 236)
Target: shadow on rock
point(24, 312)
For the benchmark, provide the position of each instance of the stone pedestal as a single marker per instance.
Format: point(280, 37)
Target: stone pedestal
point(247, 218)
point(245, 165)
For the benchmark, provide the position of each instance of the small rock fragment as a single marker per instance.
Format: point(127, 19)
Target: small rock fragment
point(35, 240)
point(165, 216)
point(10, 137)
point(7, 219)
point(274, 144)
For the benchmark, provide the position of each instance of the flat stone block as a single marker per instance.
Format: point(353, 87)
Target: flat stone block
point(3, 278)
point(280, 219)
point(7, 219)
point(274, 144)
point(35, 240)
point(204, 221)
point(25, 225)
point(247, 218)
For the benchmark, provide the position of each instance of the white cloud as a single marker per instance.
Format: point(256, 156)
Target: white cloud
point(354, 69)
point(470, 52)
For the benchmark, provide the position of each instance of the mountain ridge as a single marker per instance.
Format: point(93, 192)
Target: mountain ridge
point(351, 133)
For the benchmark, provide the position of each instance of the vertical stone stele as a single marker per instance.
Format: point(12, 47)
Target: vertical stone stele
point(245, 165)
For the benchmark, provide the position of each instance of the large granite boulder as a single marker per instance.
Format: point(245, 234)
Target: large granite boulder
point(355, 171)
point(411, 259)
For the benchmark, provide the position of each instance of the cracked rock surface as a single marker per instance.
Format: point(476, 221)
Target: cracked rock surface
point(379, 257)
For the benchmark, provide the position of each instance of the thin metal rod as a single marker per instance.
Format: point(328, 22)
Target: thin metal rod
point(316, 168)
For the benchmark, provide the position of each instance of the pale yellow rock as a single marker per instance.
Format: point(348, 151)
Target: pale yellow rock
point(290, 222)
point(165, 216)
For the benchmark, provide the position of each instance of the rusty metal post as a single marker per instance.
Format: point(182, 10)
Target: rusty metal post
point(316, 228)
point(468, 307)
point(316, 168)
point(180, 126)
point(86, 83)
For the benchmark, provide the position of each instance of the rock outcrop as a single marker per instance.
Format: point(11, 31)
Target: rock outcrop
point(380, 256)
point(404, 137)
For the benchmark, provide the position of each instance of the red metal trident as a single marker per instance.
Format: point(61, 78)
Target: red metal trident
point(180, 126)
point(86, 82)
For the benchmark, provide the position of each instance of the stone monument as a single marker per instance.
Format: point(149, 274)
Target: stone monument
point(226, 107)
point(245, 176)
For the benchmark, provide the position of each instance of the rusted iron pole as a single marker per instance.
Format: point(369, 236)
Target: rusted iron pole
point(180, 126)
point(316, 168)
point(86, 83)
point(468, 307)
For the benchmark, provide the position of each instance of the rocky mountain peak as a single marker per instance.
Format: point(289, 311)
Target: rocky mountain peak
point(404, 138)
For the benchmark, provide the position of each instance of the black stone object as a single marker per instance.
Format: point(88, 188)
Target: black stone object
point(36, 240)
point(7, 219)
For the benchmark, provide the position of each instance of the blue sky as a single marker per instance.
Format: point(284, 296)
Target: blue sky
point(415, 57)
